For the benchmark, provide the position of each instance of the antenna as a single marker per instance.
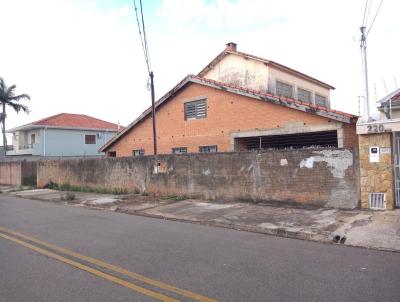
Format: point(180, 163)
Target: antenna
point(363, 46)
point(384, 85)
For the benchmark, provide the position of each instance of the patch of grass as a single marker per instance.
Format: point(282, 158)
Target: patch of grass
point(24, 188)
point(86, 189)
point(176, 197)
point(136, 190)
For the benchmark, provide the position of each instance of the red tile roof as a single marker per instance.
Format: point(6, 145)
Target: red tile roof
point(81, 121)
point(267, 94)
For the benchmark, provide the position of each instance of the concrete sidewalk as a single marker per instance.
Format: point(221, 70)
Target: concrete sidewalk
point(370, 229)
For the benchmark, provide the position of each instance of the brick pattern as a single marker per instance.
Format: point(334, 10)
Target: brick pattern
point(226, 113)
point(279, 176)
point(350, 137)
point(376, 177)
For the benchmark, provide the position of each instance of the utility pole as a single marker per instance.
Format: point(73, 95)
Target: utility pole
point(153, 112)
point(363, 47)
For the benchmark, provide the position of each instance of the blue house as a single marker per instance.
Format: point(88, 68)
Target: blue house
point(63, 134)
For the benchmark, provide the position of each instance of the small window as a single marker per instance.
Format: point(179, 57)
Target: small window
point(208, 149)
point(90, 139)
point(138, 152)
point(112, 154)
point(179, 150)
point(196, 109)
point(320, 100)
point(303, 95)
point(284, 89)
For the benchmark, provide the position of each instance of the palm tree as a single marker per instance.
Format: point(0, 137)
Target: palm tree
point(8, 98)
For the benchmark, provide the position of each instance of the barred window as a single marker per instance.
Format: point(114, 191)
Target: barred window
point(303, 95)
point(196, 109)
point(90, 139)
point(320, 100)
point(179, 150)
point(284, 89)
point(138, 152)
point(208, 149)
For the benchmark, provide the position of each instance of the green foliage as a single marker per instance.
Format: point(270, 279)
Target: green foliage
point(86, 189)
point(52, 185)
point(136, 191)
point(9, 98)
point(176, 197)
point(144, 193)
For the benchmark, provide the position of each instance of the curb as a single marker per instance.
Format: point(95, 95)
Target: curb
point(321, 237)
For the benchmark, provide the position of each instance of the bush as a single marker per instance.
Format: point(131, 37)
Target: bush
point(69, 196)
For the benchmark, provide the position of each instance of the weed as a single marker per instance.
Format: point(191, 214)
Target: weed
point(86, 189)
point(144, 193)
point(69, 196)
point(136, 191)
point(176, 197)
point(52, 185)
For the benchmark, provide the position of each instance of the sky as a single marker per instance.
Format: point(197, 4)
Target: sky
point(86, 57)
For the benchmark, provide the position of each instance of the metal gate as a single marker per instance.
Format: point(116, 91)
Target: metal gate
point(396, 166)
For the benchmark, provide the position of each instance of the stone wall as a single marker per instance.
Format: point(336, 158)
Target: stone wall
point(376, 177)
point(308, 177)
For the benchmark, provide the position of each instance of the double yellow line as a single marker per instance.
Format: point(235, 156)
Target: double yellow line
point(22, 240)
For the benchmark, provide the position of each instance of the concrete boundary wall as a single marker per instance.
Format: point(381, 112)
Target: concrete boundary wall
point(17, 173)
point(309, 177)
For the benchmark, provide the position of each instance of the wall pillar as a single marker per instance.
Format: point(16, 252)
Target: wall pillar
point(376, 177)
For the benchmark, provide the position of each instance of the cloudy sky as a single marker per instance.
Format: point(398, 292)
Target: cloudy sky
point(85, 56)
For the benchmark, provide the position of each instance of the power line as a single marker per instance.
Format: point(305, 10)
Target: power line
point(142, 37)
point(365, 11)
point(145, 47)
point(376, 14)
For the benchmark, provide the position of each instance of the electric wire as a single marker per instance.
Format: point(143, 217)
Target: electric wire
point(142, 36)
point(365, 11)
point(373, 20)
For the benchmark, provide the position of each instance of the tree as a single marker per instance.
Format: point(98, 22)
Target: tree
point(8, 98)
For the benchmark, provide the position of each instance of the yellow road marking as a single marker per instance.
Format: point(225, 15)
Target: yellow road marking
point(114, 268)
point(93, 271)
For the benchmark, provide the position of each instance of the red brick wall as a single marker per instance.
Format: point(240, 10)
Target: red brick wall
point(350, 137)
point(226, 113)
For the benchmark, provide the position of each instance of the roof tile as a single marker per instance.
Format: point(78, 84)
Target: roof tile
point(75, 121)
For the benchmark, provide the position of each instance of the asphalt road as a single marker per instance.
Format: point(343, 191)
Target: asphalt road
point(218, 264)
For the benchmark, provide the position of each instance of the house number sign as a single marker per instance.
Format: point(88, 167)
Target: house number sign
point(376, 128)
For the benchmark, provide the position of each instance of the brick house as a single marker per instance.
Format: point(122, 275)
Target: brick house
point(239, 102)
